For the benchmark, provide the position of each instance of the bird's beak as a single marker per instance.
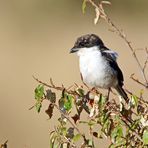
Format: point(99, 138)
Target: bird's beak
point(72, 50)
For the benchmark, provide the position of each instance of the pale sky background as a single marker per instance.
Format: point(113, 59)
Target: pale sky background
point(35, 38)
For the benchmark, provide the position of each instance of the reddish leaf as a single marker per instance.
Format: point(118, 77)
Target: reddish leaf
point(95, 134)
point(76, 117)
point(49, 111)
point(91, 102)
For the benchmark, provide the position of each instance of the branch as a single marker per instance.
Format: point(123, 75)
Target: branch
point(107, 111)
point(68, 118)
point(55, 87)
point(136, 80)
point(4, 145)
point(146, 61)
point(103, 15)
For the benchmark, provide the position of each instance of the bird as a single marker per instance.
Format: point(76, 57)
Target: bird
point(98, 64)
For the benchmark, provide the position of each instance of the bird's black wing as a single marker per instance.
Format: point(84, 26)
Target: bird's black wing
point(111, 58)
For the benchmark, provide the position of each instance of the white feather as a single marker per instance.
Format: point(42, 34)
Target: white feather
point(95, 69)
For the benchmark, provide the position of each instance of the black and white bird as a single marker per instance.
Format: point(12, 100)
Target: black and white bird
point(98, 64)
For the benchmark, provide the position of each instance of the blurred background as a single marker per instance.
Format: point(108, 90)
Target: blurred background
point(35, 38)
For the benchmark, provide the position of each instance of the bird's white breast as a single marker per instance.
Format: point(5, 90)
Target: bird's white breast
point(95, 69)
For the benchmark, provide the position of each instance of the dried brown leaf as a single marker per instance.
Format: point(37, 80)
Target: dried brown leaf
point(76, 117)
point(106, 2)
point(49, 111)
point(97, 15)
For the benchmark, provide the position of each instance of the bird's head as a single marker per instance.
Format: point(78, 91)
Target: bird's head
point(86, 41)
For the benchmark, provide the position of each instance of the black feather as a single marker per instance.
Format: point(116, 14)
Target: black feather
point(112, 62)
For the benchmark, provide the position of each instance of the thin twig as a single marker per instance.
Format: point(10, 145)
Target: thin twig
point(31, 107)
point(146, 61)
point(53, 86)
point(136, 80)
point(4, 145)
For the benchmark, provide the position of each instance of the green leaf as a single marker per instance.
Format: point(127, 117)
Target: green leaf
point(38, 106)
point(91, 123)
point(63, 131)
point(120, 142)
point(53, 137)
point(39, 92)
point(102, 101)
point(106, 126)
point(90, 143)
point(65, 103)
point(68, 102)
point(76, 138)
point(83, 6)
point(112, 146)
point(135, 124)
point(83, 122)
point(62, 121)
point(134, 100)
point(145, 137)
point(80, 91)
point(104, 117)
point(117, 133)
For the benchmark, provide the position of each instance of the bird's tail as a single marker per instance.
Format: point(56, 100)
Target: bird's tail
point(121, 92)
